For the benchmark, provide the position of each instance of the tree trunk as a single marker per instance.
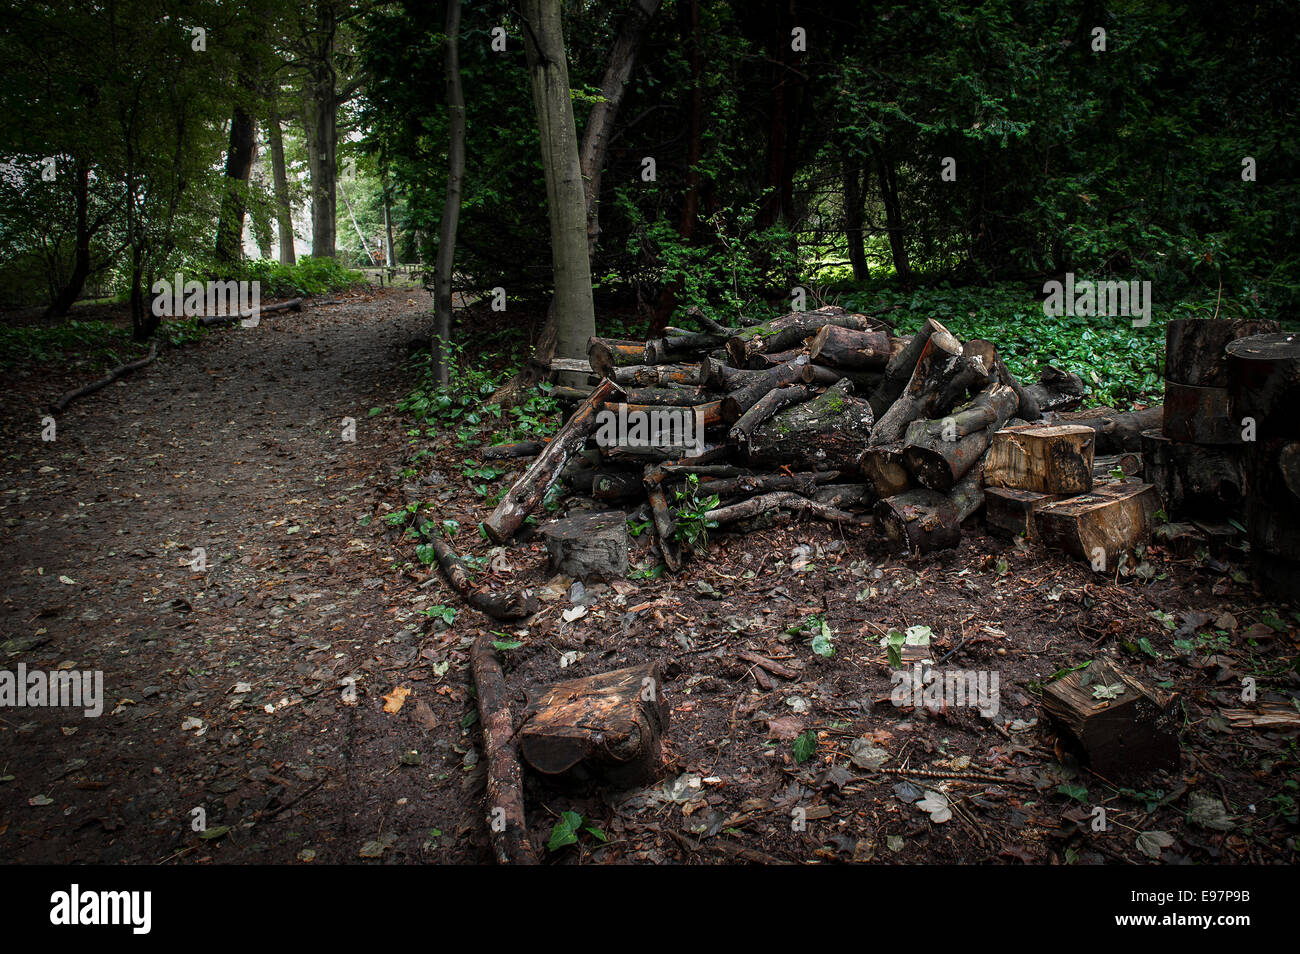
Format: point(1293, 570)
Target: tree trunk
point(893, 213)
point(239, 162)
point(549, 73)
point(321, 123)
point(66, 295)
point(595, 139)
point(451, 207)
point(280, 178)
point(851, 170)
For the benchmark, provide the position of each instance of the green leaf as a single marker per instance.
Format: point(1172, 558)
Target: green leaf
point(804, 746)
point(565, 831)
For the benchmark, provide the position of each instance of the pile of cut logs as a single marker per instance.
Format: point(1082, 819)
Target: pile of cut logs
point(827, 412)
point(831, 414)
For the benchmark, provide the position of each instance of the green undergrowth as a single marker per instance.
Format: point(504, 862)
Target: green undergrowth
point(96, 342)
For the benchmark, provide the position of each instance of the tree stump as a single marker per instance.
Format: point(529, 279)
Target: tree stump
point(1195, 348)
point(1100, 525)
point(1272, 504)
point(588, 546)
point(1193, 479)
point(1010, 512)
point(1265, 375)
point(609, 724)
point(1199, 415)
point(1122, 728)
point(1047, 458)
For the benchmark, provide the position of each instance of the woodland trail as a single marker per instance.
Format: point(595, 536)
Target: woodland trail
point(223, 690)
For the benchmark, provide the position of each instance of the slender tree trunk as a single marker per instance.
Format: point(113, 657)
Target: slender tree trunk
point(66, 295)
point(280, 178)
point(666, 304)
point(853, 217)
point(390, 256)
point(893, 212)
point(451, 207)
point(595, 142)
point(322, 140)
point(239, 162)
point(549, 73)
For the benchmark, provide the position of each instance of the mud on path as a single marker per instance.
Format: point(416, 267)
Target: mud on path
point(222, 688)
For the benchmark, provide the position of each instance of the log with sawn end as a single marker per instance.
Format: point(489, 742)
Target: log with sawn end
point(938, 453)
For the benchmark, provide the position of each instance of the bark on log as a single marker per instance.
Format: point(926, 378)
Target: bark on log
point(682, 396)
point(1272, 506)
point(785, 332)
point(120, 371)
point(510, 606)
point(938, 453)
point(899, 370)
point(826, 433)
point(980, 371)
point(674, 347)
point(1195, 348)
point(768, 405)
point(1117, 432)
point(1010, 511)
point(588, 545)
point(1265, 375)
point(506, 821)
point(527, 492)
point(207, 321)
point(511, 451)
point(1057, 390)
point(741, 400)
point(857, 350)
point(750, 484)
point(1048, 458)
point(609, 724)
point(783, 500)
point(1126, 737)
point(610, 485)
point(607, 354)
point(660, 375)
point(1193, 480)
point(1028, 410)
point(665, 526)
point(940, 363)
point(664, 417)
point(1199, 415)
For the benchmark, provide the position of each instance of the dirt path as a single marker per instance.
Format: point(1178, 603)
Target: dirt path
point(224, 689)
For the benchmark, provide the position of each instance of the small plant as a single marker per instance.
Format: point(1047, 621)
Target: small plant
point(692, 514)
point(567, 830)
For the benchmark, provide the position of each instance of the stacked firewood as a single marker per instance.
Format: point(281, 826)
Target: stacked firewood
point(828, 413)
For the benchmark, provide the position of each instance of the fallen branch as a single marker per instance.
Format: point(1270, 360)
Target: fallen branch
point(120, 371)
point(784, 500)
point(519, 605)
point(506, 822)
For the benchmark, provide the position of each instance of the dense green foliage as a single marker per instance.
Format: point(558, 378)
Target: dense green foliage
point(946, 156)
